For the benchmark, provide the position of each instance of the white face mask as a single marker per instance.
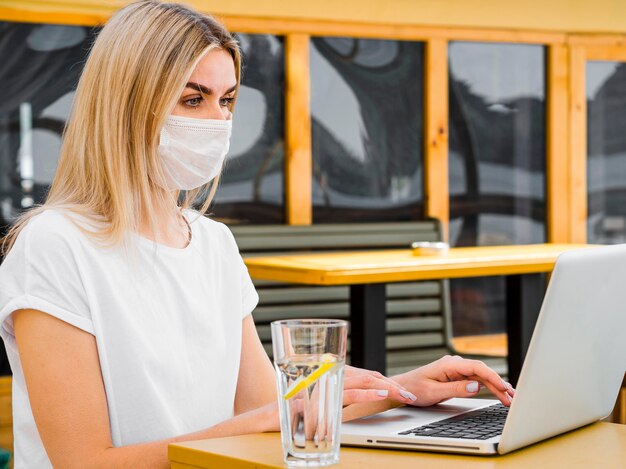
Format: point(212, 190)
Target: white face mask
point(193, 150)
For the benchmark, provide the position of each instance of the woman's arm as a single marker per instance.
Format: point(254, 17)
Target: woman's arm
point(68, 400)
point(67, 396)
point(256, 384)
point(448, 377)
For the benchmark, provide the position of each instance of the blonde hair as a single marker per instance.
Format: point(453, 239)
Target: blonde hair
point(134, 75)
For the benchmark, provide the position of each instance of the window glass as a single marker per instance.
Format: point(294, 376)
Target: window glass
point(606, 152)
point(497, 164)
point(41, 65)
point(41, 68)
point(366, 117)
point(252, 184)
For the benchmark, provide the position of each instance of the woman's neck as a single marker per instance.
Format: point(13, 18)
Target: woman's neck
point(171, 227)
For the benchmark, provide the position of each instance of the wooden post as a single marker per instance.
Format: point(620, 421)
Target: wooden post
point(437, 204)
point(558, 192)
point(578, 147)
point(298, 155)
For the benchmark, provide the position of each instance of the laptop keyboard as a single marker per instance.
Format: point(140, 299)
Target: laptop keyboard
point(480, 424)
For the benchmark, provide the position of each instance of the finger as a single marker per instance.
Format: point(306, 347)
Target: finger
point(509, 390)
point(368, 381)
point(467, 388)
point(457, 368)
point(503, 396)
point(321, 427)
point(463, 388)
point(351, 371)
point(310, 422)
point(296, 408)
point(476, 368)
point(354, 396)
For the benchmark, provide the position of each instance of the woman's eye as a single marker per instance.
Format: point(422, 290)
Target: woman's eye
point(227, 102)
point(193, 102)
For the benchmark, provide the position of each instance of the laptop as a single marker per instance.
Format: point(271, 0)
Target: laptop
point(570, 378)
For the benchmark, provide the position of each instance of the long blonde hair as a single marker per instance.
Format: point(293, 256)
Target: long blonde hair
point(136, 70)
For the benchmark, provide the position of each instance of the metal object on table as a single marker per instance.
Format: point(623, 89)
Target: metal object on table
point(426, 248)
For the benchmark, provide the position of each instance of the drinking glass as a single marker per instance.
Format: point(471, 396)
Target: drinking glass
point(309, 356)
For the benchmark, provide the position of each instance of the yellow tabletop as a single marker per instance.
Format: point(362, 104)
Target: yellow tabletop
point(399, 265)
point(598, 445)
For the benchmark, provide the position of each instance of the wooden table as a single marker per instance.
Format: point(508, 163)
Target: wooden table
point(601, 445)
point(367, 273)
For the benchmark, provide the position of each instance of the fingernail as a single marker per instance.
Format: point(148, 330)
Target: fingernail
point(507, 385)
point(509, 398)
point(472, 387)
point(382, 393)
point(407, 395)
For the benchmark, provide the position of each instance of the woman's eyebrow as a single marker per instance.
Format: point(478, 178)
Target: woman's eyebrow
point(204, 90)
point(198, 87)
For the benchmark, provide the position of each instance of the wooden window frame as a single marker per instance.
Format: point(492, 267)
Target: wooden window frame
point(298, 153)
point(566, 55)
point(582, 50)
point(436, 112)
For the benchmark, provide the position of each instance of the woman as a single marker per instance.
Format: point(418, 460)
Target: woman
point(126, 314)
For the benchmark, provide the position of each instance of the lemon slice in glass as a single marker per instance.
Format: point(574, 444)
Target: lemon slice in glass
point(302, 383)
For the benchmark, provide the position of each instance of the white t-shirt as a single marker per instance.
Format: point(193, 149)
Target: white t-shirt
point(167, 326)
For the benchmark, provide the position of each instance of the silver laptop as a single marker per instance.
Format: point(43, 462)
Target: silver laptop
point(571, 375)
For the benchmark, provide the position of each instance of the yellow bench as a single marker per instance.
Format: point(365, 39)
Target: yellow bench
point(489, 345)
point(6, 414)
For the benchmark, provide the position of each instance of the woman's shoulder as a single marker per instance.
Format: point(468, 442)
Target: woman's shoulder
point(212, 228)
point(54, 231)
point(51, 219)
point(53, 223)
point(193, 216)
point(45, 247)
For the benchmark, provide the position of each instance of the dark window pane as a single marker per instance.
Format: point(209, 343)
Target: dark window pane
point(366, 109)
point(251, 188)
point(41, 65)
point(606, 152)
point(497, 164)
point(40, 69)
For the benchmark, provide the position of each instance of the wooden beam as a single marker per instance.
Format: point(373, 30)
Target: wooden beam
point(558, 192)
point(405, 32)
point(596, 39)
point(437, 203)
point(298, 154)
point(606, 16)
point(610, 53)
point(23, 12)
point(94, 12)
point(578, 146)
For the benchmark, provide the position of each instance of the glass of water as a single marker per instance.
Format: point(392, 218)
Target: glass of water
point(309, 356)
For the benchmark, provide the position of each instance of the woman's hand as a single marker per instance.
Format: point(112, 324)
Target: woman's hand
point(453, 376)
point(366, 392)
point(361, 385)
